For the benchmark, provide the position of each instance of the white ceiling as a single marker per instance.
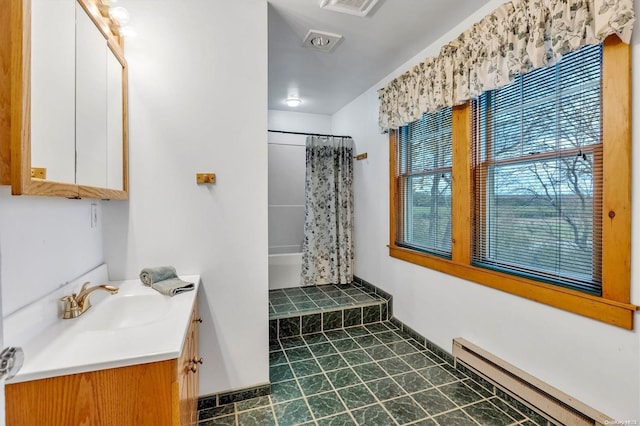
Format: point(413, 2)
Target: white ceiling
point(373, 46)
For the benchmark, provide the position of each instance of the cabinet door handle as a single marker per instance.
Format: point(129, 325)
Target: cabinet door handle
point(199, 319)
point(197, 360)
point(194, 368)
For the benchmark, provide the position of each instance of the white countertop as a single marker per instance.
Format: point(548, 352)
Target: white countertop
point(136, 325)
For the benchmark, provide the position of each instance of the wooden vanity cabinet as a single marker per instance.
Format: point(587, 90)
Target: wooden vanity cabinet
point(153, 394)
point(187, 370)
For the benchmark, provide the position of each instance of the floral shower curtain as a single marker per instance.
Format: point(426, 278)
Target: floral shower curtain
point(327, 250)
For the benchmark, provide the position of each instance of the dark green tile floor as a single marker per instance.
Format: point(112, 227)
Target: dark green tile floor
point(370, 375)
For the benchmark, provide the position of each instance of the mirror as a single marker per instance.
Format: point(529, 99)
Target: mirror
point(70, 74)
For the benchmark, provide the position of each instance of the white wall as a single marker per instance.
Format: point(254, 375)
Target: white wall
point(597, 363)
point(44, 243)
point(198, 103)
point(292, 121)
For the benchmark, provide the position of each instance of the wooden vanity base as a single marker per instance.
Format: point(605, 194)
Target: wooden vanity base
point(153, 394)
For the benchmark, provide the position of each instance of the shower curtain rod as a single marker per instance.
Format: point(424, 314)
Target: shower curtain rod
point(307, 134)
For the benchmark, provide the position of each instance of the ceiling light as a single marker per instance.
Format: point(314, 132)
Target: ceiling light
point(293, 102)
point(321, 40)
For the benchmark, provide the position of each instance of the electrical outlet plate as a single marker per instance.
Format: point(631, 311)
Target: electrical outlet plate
point(94, 215)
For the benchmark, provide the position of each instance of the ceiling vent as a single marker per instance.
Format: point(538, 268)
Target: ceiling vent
point(352, 7)
point(321, 40)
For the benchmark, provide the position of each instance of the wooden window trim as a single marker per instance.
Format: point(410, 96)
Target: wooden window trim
point(614, 306)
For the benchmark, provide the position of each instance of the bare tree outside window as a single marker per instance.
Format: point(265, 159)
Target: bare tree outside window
point(538, 170)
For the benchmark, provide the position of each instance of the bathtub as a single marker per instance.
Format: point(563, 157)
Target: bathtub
point(284, 268)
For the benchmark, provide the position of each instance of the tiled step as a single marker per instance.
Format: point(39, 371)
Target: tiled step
point(306, 310)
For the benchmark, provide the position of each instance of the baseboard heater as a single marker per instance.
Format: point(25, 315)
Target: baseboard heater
point(556, 405)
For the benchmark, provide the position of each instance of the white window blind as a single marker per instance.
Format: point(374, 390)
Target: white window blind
point(424, 184)
point(538, 174)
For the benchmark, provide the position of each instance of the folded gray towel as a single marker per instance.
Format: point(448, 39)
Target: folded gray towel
point(172, 286)
point(149, 276)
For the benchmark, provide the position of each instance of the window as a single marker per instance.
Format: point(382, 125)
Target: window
point(527, 189)
point(424, 162)
point(538, 174)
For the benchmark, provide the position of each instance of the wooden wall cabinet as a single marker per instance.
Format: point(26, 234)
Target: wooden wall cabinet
point(63, 100)
point(153, 394)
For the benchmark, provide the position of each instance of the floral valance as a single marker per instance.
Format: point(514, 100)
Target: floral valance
point(519, 36)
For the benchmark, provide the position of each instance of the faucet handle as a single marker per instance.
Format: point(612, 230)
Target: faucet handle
point(84, 286)
point(71, 308)
point(70, 299)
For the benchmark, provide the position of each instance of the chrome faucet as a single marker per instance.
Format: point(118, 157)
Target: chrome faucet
point(76, 305)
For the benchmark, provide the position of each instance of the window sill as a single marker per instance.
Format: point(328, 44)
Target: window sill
point(598, 308)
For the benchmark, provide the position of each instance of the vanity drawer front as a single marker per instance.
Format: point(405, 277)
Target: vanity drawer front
point(135, 395)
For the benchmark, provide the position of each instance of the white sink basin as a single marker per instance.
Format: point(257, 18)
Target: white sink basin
point(125, 311)
point(134, 326)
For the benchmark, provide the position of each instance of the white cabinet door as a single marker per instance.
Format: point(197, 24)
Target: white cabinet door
point(53, 70)
point(115, 154)
point(91, 102)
